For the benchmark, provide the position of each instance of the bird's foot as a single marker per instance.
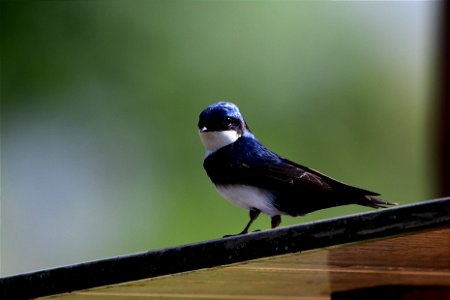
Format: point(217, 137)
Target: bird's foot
point(230, 235)
point(241, 233)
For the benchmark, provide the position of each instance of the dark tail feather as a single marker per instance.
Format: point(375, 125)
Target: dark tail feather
point(375, 202)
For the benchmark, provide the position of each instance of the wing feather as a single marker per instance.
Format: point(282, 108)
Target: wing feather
point(249, 162)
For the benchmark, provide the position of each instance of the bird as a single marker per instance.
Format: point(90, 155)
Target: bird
point(254, 178)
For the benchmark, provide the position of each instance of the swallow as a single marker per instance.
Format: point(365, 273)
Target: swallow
point(260, 181)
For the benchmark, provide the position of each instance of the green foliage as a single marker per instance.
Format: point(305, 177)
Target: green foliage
point(100, 100)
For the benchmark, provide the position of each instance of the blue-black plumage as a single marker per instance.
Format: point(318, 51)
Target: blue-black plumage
point(259, 180)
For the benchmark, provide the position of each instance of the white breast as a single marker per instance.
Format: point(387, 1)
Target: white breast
point(248, 197)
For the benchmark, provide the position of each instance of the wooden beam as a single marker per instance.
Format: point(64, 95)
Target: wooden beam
point(376, 224)
point(391, 268)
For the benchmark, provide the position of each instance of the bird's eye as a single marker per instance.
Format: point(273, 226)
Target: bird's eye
point(227, 121)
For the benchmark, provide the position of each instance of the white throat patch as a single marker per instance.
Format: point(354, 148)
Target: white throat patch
point(214, 140)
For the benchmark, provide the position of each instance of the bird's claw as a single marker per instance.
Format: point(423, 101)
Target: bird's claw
point(241, 233)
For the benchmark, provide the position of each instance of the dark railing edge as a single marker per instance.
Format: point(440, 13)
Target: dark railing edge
point(296, 238)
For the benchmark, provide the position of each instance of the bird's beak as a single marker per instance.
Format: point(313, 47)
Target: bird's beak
point(203, 129)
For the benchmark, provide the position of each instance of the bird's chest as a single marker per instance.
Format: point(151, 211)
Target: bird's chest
point(248, 197)
point(223, 168)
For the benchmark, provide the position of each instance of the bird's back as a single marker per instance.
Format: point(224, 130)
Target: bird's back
point(297, 189)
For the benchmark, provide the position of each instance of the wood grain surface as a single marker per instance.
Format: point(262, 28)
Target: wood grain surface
point(420, 259)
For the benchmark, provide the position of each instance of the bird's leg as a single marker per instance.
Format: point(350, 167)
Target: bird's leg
point(276, 220)
point(254, 213)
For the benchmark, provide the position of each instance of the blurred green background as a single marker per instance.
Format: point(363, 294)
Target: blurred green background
point(100, 154)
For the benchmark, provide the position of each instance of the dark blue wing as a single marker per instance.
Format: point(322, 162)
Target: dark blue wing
point(248, 162)
point(298, 189)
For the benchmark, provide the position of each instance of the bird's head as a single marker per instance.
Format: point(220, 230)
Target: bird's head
point(221, 124)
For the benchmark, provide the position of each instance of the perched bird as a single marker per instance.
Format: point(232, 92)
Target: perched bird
point(258, 180)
